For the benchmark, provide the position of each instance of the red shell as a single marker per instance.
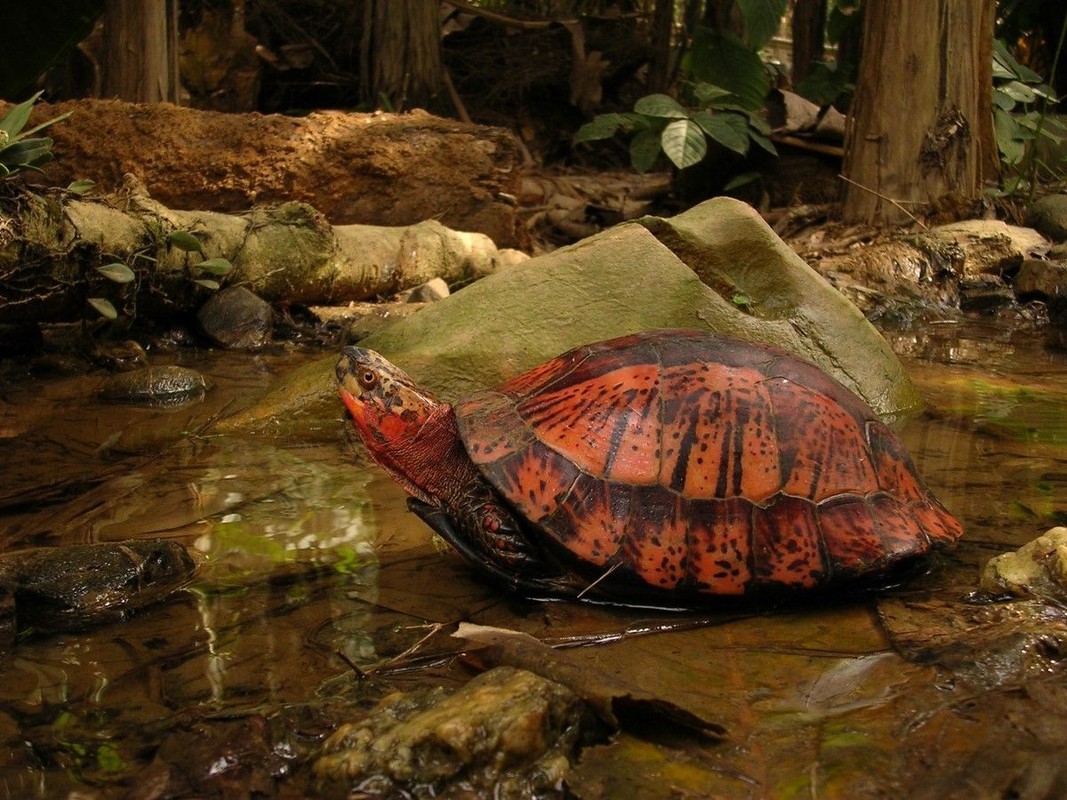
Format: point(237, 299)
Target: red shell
point(705, 464)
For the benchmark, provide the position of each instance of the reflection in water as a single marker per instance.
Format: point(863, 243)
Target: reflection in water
point(317, 585)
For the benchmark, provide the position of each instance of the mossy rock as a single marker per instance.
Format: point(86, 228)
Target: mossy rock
point(716, 267)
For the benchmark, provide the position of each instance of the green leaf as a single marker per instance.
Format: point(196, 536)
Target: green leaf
point(184, 240)
point(104, 307)
point(763, 141)
point(1009, 137)
point(27, 152)
point(1019, 92)
point(117, 272)
point(762, 18)
point(18, 116)
point(207, 282)
point(215, 266)
point(1004, 62)
point(644, 150)
point(825, 82)
point(44, 125)
point(720, 58)
point(728, 129)
point(660, 105)
point(741, 180)
point(708, 94)
point(1002, 100)
point(684, 143)
point(81, 186)
point(602, 126)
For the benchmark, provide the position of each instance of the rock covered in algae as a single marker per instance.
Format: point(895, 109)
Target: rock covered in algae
point(64, 588)
point(1037, 568)
point(508, 733)
point(163, 386)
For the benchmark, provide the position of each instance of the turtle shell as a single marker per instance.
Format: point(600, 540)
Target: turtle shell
point(699, 463)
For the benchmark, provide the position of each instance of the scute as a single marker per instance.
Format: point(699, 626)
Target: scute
point(702, 464)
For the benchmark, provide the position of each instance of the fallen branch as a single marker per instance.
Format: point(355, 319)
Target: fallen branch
point(50, 258)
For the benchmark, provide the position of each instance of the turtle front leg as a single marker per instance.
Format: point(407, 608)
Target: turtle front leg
point(488, 537)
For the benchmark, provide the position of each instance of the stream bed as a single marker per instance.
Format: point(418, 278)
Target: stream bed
point(318, 594)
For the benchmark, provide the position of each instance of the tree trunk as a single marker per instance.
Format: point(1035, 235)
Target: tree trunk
point(141, 46)
point(659, 71)
point(401, 55)
point(809, 26)
point(922, 124)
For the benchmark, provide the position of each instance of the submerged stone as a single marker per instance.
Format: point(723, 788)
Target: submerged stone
point(71, 587)
point(163, 385)
point(1038, 568)
point(508, 733)
point(237, 319)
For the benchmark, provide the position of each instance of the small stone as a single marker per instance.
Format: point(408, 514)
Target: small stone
point(1042, 279)
point(237, 319)
point(1038, 568)
point(165, 385)
point(429, 292)
point(509, 257)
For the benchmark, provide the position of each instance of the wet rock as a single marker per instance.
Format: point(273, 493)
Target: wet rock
point(164, 385)
point(429, 292)
point(221, 758)
point(990, 246)
point(507, 734)
point(71, 587)
point(1038, 568)
point(237, 319)
point(1040, 279)
point(985, 294)
point(1049, 215)
point(120, 356)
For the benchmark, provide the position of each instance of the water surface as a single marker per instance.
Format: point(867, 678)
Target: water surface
point(318, 590)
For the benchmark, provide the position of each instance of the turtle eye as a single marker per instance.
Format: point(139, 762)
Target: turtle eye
point(368, 379)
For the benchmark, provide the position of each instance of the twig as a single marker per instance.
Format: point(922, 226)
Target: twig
point(881, 196)
point(607, 572)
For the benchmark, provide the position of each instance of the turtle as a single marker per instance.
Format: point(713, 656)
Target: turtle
point(659, 465)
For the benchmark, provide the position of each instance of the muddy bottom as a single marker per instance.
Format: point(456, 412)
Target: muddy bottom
point(318, 595)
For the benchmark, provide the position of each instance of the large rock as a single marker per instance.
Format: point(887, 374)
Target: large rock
point(635, 276)
point(1049, 215)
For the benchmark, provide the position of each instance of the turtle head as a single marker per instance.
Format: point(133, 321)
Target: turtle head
point(386, 406)
point(408, 432)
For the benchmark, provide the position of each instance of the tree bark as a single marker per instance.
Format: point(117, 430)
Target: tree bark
point(809, 25)
point(401, 55)
point(921, 125)
point(141, 46)
point(659, 71)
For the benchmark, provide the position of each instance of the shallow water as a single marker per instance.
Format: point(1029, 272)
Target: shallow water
point(318, 588)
